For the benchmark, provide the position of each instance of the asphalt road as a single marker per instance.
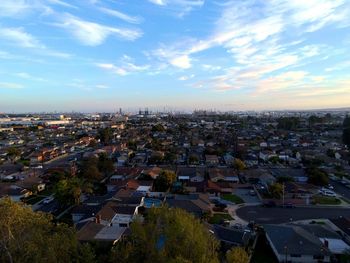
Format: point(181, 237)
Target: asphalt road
point(277, 215)
point(341, 189)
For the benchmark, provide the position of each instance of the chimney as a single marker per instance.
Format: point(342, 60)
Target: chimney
point(326, 243)
point(98, 219)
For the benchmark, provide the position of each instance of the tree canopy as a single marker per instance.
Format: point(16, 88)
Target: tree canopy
point(317, 176)
point(237, 255)
point(167, 235)
point(27, 236)
point(346, 131)
point(164, 180)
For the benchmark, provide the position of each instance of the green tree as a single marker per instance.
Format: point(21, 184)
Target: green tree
point(288, 123)
point(239, 164)
point(105, 135)
point(13, 153)
point(167, 235)
point(68, 191)
point(317, 177)
point(89, 169)
point(158, 128)
point(105, 165)
point(164, 180)
point(346, 131)
point(237, 255)
point(193, 159)
point(276, 190)
point(27, 236)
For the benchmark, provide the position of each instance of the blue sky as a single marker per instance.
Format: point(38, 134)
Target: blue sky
point(99, 55)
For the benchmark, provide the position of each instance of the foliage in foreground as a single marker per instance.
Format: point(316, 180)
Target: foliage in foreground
point(27, 236)
point(167, 235)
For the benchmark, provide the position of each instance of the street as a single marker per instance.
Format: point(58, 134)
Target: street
point(277, 215)
point(341, 189)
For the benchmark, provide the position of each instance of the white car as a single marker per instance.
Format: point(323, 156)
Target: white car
point(330, 187)
point(329, 193)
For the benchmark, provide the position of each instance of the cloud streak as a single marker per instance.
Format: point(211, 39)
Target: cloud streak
point(94, 34)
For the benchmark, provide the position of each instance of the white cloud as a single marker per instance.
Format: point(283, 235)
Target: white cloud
point(125, 67)
point(25, 75)
point(19, 37)
point(94, 34)
point(184, 78)
point(8, 85)
point(101, 86)
point(158, 2)
point(179, 7)
point(183, 62)
point(120, 15)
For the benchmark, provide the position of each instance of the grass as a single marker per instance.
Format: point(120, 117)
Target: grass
point(232, 198)
point(219, 218)
point(326, 200)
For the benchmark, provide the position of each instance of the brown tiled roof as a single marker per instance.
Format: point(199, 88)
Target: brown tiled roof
point(89, 231)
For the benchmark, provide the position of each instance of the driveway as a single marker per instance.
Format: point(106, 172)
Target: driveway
point(247, 198)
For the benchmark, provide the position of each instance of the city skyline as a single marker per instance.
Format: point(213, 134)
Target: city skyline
point(184, 54)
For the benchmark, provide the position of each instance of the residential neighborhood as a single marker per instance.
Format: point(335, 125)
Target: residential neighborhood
point(276, 184)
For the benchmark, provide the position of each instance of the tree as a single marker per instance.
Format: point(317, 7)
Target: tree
point(27, 236)
point(13, 153)
point(288, 123)
point(193, 159)
point(317, 177)
point(237, 255)
point(346, 131)
point(164, 180)
point(105, 165)
point(167, 235)
point(68, 191)
point(276, 190)
point(89, 169)
point(239, 164)
point(105, 135)
point(158, 128)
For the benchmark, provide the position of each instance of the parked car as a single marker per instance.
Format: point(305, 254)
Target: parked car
point(252, 193)
point(330, 187)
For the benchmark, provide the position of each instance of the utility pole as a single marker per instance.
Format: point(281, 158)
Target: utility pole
point(283, 194)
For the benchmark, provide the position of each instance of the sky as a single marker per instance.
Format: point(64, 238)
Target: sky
point(102, 55)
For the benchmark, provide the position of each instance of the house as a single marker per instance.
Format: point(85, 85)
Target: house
point(230, 237)
point(16, 193)
point(196, 204)
point(211, 159)
point(152, 172)
point(94, 230)
point(292, 243)
point(192, 174)
point(298, 175)
point(223, 174)
point(342, 226)
point(331, 239)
